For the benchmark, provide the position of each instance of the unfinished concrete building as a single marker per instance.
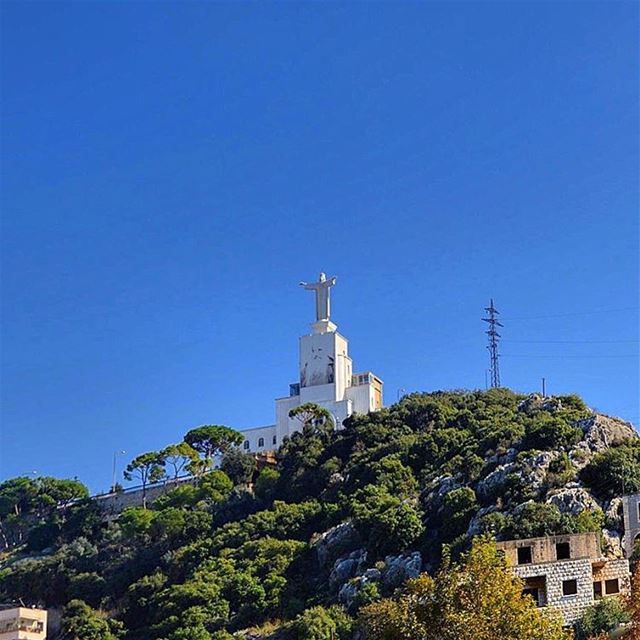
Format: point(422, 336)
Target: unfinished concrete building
point(567, 572)
point(22, 623)
point(631, 510)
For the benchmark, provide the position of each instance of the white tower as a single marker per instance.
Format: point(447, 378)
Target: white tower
point(326, 378)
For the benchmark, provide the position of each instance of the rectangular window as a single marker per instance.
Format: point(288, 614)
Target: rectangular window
point(569, 587)
point(611, 586)
point(563, 551)
point(524, 555)
point(597, 590)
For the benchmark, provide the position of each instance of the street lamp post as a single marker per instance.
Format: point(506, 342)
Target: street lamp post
point(113, 474)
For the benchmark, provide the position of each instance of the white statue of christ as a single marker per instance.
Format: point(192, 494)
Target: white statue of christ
point(323, 310)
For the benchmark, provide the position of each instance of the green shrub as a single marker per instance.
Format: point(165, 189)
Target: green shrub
point(266, 483)
point(239, 466)
point(534, 520)
point(81, 622)
point(386, 522)
point(602, 617)
point(547, 431)
point(458, 509)
point(318, 623)
point(368, 593)
point(561, 471)
point(614, 471)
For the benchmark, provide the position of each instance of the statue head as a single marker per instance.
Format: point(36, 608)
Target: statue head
point(323, 277)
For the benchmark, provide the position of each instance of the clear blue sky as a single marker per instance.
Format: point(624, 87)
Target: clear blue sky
point(171, 171)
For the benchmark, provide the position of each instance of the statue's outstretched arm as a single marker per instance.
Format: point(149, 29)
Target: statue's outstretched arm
point(307, 286)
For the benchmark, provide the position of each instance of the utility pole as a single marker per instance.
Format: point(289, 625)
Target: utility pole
point(493, 343)
point(113, 471)
point(544, 387)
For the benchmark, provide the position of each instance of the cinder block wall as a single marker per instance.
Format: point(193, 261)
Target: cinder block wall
point(571, 607)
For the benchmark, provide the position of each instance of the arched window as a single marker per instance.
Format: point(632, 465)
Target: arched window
point(246, 444)
point(275, 440)
point(261, 442)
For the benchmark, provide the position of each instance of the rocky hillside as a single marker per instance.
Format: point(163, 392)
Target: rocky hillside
point(344, 519)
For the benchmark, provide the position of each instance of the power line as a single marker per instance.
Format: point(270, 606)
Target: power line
point(493, 343)
point(533, 355)
point(575, 313)
point(575, 341)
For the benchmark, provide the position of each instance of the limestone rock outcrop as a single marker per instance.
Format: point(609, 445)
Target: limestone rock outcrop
point(348, 567)
point(602, 432)
point(614, 515)
point(438, 488)
point(611, 544)
point(397, 569)
point(532, 471)
point(573, 500)
point(335, 541)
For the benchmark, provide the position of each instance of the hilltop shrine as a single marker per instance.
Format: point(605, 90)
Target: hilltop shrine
point(326, 377)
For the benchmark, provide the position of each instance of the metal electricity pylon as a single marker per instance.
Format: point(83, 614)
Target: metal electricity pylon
point(493, 343)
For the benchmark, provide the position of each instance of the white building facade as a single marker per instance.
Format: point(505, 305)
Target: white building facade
point(326, 378)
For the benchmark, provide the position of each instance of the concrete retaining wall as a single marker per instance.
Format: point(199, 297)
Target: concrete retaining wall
point(114, 503)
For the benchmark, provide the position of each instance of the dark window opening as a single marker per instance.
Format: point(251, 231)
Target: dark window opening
point(524, 555)
point(261, 442)
point(569, 587)
point(597, 590)
point(563, 551)
point(611, 586)
point(246, 444)
point(274, 440)
point(536, 587)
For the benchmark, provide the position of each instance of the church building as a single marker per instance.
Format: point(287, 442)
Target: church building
point(326, 378)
